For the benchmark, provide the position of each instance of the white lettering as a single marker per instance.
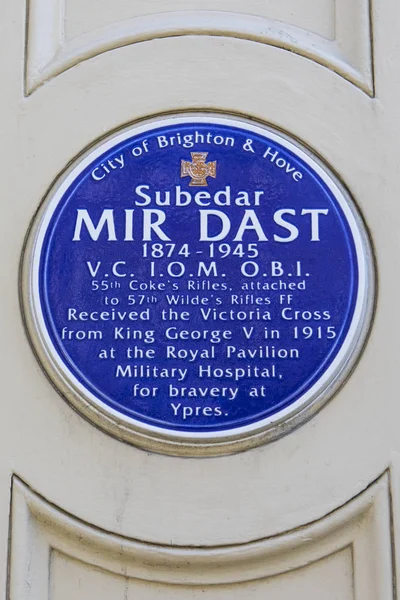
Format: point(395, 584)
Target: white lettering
point(83, 217)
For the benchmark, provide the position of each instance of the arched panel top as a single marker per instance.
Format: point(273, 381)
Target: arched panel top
point(333, 33)
point(49, 545)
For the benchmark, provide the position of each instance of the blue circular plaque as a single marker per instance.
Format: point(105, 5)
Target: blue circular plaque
point(198, 284)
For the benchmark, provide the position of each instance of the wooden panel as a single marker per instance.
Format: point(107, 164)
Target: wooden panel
point(333, 33)
point(348, 554)
point(333, 575)
point(317, 16)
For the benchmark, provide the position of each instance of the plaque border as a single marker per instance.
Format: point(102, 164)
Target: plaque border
point(187, 443)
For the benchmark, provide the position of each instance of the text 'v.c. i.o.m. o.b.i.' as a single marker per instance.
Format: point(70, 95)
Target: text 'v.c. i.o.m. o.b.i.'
point(198, 284)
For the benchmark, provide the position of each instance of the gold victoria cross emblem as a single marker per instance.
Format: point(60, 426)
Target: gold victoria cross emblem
point(198, 169)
